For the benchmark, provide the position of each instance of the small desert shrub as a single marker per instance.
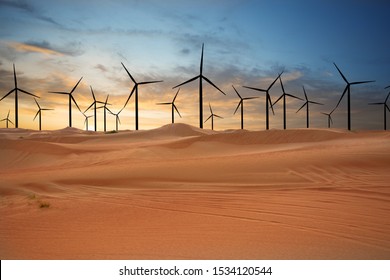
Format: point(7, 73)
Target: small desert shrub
point(111, 132)
point(43, 204)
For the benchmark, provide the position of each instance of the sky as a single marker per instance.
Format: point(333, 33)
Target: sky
point(246, 43)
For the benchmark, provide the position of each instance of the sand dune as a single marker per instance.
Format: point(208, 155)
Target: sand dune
point(179, 192)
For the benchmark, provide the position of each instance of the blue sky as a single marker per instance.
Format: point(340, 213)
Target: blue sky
point(54, 43)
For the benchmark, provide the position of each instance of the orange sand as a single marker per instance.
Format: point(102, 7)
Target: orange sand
point(179, 192)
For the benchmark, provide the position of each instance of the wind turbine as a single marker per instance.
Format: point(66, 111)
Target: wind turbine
point(117, 119)
point(268, 101)
point(39, 112)
point(106, 109)
point(16, 89)
point(94, 108)
point(71, 98)
point(348, 89)
point(86, 121)
point(385, 107)
point(7, 119)
point(135, 89)
point(329, 115)
point(201, 77)
point(173, 106)
point(284, 94)
point(307, 106)
point(241, 103)
point(212, 117)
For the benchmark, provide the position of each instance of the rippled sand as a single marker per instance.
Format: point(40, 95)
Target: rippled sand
point(179, 192)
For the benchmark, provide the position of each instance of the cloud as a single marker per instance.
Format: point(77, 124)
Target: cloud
point(44, 47)
point(28, 8)
point(101, 67)
point(34, 48)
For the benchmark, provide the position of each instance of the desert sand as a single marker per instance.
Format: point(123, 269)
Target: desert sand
point(179, 192)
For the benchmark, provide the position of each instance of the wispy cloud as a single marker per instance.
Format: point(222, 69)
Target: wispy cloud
point(29, 9)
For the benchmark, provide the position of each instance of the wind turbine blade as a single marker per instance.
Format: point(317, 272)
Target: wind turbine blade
point(131, 93)
point(313, 102)
point(37, 103)
point(208, 118)
point(131, 77)
point(59, 92)
point(174, 106)
point(278, 99)
point(76, 86)
point(302, 106)
point(258, 89)
point(29, 93)
point(342, 75)
point(387, 98)
point(15, 81)
point(119, 119)
point(211, 110)
point(363, 82)
point(8, 94)
point(211, 83)
point(218, 116)
point(164, 103)
point(387, 87)
point(238, 106)
point(36, 114)
point(387, 107)
point(330, 118)
point(45, 109)
point(304, 91)
point(252, 97)
point(293, 96)
point(376, 103)
point(11, 122)
point(8, 113)
point(278, 77)
point(89, 107)
point(93, 94)
point(237, 92)
point(190, 80)
point(74, 101)
point(345, 90)
point(201, 60)
point(281, 84)
point(150, 82)
point(175, 95)
point(270, 103)
point(109, 111)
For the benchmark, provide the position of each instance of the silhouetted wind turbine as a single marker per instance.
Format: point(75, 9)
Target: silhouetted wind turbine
point(173, 106)
point(385, 107)
point(212, 117)
point(16, 89)
point(284, 94)
point(135, 89)
point(201, 78)
point(7, 119)
point(268, 101)
point(105, 109)
point(241, 103)
point(348, 89)
point(307, 106)
point(86, 121)
point(117, 119)
point(39, 112)
point(94, 108)
point(71, 98)
point(330, 121)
